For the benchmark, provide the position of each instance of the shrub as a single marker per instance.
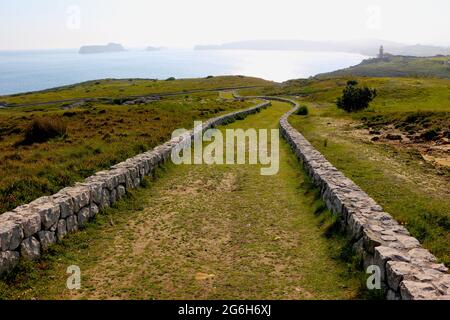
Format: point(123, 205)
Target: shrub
point(430, 134)
point(44, 129)
point(355, 98)
point(69, 114)
point(170, 79)
point(303, 111)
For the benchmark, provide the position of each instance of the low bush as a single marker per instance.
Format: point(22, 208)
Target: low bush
point(303, 111)
point(43, 129)
point(430, 134)
point(355, 98)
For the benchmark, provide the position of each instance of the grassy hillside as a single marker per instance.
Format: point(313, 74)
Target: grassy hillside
point(394, 94)
point(98, 134)
point(113, 88)
point(397, 66)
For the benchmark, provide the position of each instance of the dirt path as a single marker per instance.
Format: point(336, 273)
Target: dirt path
point(210, 232)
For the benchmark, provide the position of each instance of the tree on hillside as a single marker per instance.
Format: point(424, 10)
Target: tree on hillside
point(355, 98)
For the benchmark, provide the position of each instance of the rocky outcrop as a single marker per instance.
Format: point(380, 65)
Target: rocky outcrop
point(29, 230)
point(150, 48)
point(110, 47)
point(408, 271)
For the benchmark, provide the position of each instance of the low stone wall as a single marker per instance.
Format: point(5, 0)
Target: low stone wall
point(28, 230)
point(408, 271)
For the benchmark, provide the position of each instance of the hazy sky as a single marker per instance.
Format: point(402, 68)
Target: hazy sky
point(41, 24)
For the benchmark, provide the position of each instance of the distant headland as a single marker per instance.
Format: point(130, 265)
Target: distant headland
point(367, 47)
point(110, 47)
point(154, 48)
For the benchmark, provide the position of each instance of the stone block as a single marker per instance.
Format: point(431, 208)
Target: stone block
point(48, 210)
point(46, 238)
point(121, 191)
point(26, 218)
point(11, 235)
point(30, 249)
point(72, 223)
point(96, 188)
point(371, 240)
point(397, 271)
point(61, 230)
point(384, 254)
point(392, 295)
point(8, 261)
point(66, 204)
point(421, 255)
point(94, 210)
point(443, 284)
point(355, 226)
point(81, 196)
point(83, 216)
point(413, 290)
point(110, 178)
point(113, 197)
point(106, 199)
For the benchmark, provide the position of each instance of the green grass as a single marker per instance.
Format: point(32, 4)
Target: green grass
point(399, 181)
point(394, 94)
point(261, 237)
point(114, 88)
point(98, 136)
point(227, 95)
point(396, 66)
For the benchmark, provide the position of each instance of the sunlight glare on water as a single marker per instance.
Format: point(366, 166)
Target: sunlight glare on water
point(23, 71)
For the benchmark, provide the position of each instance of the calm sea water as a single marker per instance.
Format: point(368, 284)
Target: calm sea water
point(23, 71)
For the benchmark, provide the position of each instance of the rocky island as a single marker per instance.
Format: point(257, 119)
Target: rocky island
point(110, 47)
point(153, 48)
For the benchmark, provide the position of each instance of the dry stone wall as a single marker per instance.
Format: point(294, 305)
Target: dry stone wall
point(408, 271)
point(28, 230)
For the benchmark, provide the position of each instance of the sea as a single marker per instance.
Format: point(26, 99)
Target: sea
point(26, 71)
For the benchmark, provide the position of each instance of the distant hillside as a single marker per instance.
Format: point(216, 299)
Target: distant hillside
point(367, 47)
point(110, 47)
point(396, 66)
point(419, 50)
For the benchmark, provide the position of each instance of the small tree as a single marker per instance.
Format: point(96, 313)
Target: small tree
point(303, 111)
point(355, 98)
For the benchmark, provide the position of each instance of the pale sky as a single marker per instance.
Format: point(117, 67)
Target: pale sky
point(48, 24)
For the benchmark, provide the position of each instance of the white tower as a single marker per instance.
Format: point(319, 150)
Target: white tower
point(381, 54)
